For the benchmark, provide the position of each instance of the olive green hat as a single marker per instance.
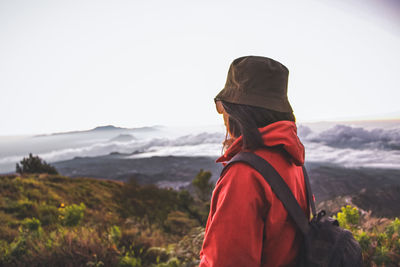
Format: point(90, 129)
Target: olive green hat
point(257, 81)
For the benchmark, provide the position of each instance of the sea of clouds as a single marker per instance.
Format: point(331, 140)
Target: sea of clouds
point(345, 145)
point(343, 136)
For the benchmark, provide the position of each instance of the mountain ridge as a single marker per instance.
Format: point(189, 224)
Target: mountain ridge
point(104, 128)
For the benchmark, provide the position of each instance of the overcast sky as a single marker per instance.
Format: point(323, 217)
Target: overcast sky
point(75, 65)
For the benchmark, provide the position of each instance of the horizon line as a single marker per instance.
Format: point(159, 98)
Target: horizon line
point(393, 119)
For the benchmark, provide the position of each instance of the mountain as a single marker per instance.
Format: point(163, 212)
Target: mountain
point(106, 128)
point(153, 170)
point(372, 189)
point(123, 138)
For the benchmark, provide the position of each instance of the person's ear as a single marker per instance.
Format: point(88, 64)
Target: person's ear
point(219, 107)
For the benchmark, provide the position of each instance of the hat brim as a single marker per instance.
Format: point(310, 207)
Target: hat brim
point(276, 103)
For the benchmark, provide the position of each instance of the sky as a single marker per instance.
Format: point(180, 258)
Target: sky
point(75, 65)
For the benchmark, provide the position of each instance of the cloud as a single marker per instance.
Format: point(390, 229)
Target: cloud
point(344, 145)
point(303, 131)
point(352, 158)
point(343, 136)
point(193, 144)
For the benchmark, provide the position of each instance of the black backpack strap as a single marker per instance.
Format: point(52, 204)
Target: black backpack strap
point(310, 195)
point(278, 186)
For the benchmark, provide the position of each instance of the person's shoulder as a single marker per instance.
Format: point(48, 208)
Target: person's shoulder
point(242, 181)
point(240, 174)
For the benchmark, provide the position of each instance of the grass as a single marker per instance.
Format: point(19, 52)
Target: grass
point(52, 220)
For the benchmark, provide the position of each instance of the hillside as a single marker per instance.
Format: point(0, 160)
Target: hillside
point(43, 223)
point(117, 166)
point(371, 188)
point(53, 220)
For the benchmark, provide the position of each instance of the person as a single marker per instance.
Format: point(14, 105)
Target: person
point(247, 224)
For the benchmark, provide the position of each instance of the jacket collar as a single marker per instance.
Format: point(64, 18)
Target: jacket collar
point(281, 133)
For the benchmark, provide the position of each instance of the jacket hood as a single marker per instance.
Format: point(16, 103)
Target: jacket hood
point(281, 133)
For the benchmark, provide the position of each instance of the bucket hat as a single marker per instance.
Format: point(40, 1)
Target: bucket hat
point(257, 81)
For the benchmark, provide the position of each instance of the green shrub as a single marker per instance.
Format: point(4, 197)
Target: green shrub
point(114, 234)
point(34, 164)
point(73, 214)
point(382, 239)
point(364, 239)
point(173, 262)
point(349, 217)
point(393, 228)
point(185, 199)
point(202, 185)
point(381, 256)
point(130, 261)
point(5, 251)
point(32, 224)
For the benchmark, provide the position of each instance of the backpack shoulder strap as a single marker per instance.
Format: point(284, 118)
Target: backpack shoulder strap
point(310, 195)
point(278, 186)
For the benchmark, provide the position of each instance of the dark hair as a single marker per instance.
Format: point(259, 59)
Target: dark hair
point(245, 120)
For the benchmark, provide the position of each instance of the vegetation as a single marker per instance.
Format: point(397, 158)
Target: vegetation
point(34, 164)
point(203, 185)
point(380, 248)
point(51, 220)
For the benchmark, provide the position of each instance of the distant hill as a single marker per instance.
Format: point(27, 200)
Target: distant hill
point(372, 189)
point(105, 128)
point(123, 138)
point(118, 166)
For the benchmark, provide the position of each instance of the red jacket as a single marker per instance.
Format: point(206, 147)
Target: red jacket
point(247, 225)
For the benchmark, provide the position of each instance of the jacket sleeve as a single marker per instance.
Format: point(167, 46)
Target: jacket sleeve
point(234, 231)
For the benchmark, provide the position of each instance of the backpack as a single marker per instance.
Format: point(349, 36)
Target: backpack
point(326, 244)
